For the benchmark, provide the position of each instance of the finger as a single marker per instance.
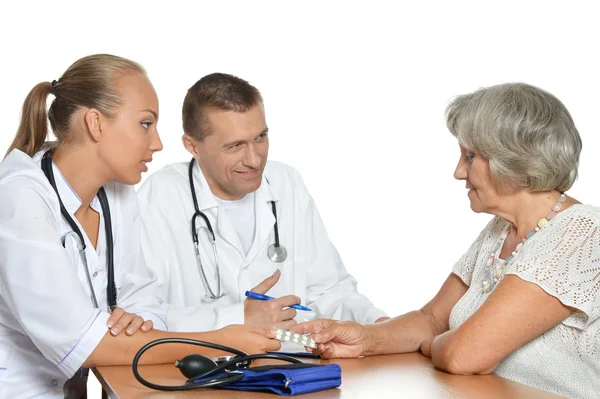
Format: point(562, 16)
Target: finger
point(318, 350)
point(114, 316)
point(328, 334)
point(286, 325)
point(285, 301)
point(327, 352)
point(286, 314)
point(273, 345)
point(311, 327)
point(122, 323)
point(267, 283)
point(135, 325)
point(307, 327)
point(147, 326)
point(262, 331)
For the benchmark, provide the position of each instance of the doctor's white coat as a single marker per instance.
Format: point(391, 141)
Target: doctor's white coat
point(313, 269)
point(48, 324)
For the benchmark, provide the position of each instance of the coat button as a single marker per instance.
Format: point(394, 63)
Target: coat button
point(95, 274)
point(54, 383)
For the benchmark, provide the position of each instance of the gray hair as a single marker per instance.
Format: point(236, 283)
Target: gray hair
point(526, 133)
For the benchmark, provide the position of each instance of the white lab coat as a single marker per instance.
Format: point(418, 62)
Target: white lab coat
point(313, 269)
point(48, 324)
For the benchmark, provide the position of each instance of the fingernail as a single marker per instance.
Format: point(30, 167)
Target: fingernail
point(109, 324)
point(144, 328)
point(114, 331)
point(129, 331)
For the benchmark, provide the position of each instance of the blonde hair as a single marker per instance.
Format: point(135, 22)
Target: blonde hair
point(526, 133)
point(88, 82)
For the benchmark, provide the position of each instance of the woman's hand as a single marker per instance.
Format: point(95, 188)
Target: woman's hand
point(425, 347)
point(336, 339)
point(120, 320)
point(249, 339)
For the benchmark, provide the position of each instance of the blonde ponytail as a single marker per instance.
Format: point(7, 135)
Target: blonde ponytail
point(88, 82)
point(33, 128)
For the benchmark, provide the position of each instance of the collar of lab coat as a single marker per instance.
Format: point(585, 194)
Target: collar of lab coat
point(264, 216)
point(68, 196)
point(206, 199)
point(72, 202)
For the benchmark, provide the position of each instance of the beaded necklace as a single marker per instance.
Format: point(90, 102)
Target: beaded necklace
point(491, 275)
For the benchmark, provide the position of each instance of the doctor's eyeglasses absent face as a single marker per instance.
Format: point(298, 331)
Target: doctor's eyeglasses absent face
point(233, 156)
point(131, 137)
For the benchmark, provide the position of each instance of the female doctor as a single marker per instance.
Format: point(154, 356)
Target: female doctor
point(69, 237)
point(228, 221)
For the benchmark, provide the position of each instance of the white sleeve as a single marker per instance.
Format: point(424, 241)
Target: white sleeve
point(137, 295)
point(138, 285)
point(156, 246)
point(160, 254)
point(564, 260)
point(331, 290)
point(38, 283)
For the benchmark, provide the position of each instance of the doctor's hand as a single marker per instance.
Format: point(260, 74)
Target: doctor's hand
point(270, 314)
point(335, 339)
point(249, 339)
point(120, 320)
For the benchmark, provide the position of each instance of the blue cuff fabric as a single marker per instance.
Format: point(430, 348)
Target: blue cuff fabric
point(287, 380)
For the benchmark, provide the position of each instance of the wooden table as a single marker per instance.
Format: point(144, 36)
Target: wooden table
point(392, 376)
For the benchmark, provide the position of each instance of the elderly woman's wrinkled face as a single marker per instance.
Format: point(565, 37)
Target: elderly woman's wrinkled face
point(474, 169)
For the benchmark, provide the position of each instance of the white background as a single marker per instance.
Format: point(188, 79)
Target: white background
point(355, 95)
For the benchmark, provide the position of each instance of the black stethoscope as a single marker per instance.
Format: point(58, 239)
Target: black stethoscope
point(197, 366)
point(111, 289)
point(275, 252)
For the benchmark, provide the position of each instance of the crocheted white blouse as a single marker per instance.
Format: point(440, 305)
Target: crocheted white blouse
point(563, 258)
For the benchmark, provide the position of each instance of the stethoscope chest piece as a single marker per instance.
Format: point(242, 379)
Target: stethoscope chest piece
point(277, 254)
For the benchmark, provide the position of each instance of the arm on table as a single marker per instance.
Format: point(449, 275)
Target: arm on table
point(406, 333)
point(514, 314)
point(120, 350)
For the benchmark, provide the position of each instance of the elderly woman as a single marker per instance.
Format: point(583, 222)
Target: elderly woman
point(524, 301)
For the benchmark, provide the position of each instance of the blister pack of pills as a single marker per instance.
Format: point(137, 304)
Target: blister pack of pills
point(301, 339)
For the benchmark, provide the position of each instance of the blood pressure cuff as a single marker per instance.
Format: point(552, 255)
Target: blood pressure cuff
point(287, 379)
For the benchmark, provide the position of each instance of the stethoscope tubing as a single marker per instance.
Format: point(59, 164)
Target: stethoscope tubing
point(111, 289)
point(241, 360)
point(197, 212)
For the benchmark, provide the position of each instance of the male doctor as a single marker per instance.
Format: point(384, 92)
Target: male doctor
point(257, 227)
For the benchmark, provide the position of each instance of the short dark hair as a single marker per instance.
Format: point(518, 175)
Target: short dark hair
point(220, 91)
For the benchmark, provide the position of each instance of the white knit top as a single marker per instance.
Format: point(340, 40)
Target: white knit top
point(563, 258)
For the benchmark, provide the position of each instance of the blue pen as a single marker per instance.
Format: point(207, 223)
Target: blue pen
point(255, 295)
